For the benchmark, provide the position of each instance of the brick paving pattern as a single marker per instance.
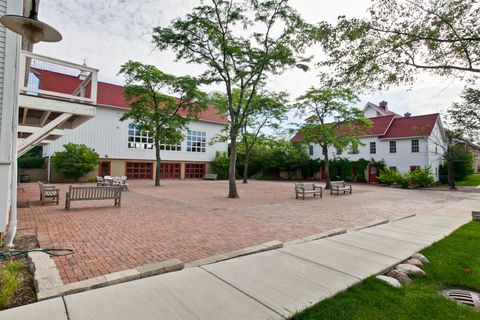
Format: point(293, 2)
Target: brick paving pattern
point(191, 220)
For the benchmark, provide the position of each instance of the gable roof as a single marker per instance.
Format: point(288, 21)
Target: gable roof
point(416, 126)
point(392, 127)
point(108, 95)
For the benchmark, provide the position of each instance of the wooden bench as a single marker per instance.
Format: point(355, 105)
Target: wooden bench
point(338, 186)
point(48, 193)
point(210, 176)
point(307, 188)
point(93, 193)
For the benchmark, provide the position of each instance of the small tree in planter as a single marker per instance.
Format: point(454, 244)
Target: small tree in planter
point(76, 161)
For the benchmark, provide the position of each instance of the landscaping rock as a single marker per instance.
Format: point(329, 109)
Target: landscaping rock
point(391, 281)
point(410, 269)
point(400, 276)
point(420, 257)
point(414, 262)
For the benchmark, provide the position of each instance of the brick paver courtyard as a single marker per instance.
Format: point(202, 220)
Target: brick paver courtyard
point(191, 220)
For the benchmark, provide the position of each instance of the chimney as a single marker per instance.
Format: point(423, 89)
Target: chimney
point(407, 115)
point(383, 105)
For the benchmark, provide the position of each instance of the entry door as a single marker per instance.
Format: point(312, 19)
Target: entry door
point(104, 169)
point(170, 170)
point(372, 174)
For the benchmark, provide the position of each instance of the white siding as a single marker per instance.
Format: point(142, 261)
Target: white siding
point(109, 137)
point(3, 11)
point(402, 159)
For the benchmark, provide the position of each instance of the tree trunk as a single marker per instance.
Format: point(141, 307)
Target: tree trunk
point(450, 173)
point(232, 185)
point(245, 168)
point(159, 164)
point(327, 167)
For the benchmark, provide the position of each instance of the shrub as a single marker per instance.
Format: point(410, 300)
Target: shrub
point(220, 165)
point(422, 177)
point(388, 176)
point(403, 179)
point(76, 161)
point(30, 162)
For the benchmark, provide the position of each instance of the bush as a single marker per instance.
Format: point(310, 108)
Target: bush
point(403, 179)
point(422, 177)
point(76, 161)
point(30, 162)
point(389, 176)
point(220, 165)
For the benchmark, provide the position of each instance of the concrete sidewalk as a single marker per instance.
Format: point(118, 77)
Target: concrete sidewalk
point(268, 285)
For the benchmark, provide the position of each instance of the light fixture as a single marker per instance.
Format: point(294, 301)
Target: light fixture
point(30, 27)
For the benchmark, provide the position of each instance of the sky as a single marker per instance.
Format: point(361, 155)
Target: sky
point(108, 33)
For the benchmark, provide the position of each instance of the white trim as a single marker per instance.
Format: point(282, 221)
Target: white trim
point(55, 105)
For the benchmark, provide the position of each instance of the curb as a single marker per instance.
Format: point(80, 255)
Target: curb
point(267, 246)
point(111, 279)
point(369, 225)
point(331, 233)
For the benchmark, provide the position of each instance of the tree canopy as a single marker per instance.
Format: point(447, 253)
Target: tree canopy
point(149, 93)
point(332, 121)
point(239, 43)
point(401, 37)
point(465, 115)
point(75, 161)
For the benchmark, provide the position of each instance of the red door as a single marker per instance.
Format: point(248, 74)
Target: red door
point(322, 174)
point(139, 170)
point(170, 170)
point(372, 174)
point(194, 170)
point(104, 168)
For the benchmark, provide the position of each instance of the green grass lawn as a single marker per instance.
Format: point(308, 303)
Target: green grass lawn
point(472, 180)
point(455, 261)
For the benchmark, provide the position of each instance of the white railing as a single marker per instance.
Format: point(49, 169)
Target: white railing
point(31, 61)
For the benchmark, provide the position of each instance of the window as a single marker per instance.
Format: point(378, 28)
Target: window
point(310, 150)
point(393, 168)
point(171, 147)
point(393, 146)
point(373, 147)
point(415, 147)
point(194, 170)
point(139, 139)
point(196, 141)
point(139, 170)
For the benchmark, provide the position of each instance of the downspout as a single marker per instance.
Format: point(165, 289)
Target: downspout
point(48, 170)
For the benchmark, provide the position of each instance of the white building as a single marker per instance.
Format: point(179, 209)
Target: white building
point(31, 115)
point(403, 142)
point(126, 151)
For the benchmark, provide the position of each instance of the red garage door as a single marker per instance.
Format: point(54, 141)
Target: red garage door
point(194, 170)
point(139, 170)
point(170, 170)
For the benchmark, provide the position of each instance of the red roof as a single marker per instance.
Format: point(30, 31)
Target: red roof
point(391, 127)
point(417, 126)
point(108, 94)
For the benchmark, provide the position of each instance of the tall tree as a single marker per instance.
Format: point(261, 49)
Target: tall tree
point(239, 43)
point(465, 116)
point(267, 110)
point(401, 37)
point(149, 93)
point(331, 103)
